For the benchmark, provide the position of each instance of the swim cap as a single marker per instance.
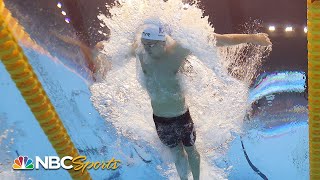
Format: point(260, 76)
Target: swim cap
point(153, 32)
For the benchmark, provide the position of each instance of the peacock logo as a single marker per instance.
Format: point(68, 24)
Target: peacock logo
point(23, 162)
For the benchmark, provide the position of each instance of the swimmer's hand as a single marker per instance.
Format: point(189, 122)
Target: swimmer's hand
point(261, 39)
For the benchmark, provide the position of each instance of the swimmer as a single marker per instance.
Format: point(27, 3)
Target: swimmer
point(161, 57)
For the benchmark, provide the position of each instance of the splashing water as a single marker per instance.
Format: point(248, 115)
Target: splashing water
point(217, 102)
point(243, 61)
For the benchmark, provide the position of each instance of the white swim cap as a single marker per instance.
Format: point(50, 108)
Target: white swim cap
point(153, 32)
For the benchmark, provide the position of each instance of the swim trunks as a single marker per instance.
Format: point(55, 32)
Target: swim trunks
point(172, 131)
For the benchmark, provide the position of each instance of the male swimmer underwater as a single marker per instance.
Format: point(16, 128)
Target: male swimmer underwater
point(161, 58)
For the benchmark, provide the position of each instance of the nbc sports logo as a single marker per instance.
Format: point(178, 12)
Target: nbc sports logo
point(23, 162)
point(54, 162)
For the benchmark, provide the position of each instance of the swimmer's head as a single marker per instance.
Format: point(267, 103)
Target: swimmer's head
point(153, 39)
point(153, 32)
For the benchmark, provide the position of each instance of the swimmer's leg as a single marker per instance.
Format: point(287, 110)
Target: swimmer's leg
point(181, 161)
point(194, 161)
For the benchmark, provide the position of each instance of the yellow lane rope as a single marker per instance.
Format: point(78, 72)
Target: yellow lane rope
point(313, 14)
point(20, 34)
point(21, 72)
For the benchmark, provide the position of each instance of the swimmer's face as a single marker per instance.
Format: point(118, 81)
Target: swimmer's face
point(153, 47)
point(151, 44)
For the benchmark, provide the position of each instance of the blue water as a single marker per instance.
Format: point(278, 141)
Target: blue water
point(278, 152)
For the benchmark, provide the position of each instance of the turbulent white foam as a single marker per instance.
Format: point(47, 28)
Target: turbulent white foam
point(217, 102)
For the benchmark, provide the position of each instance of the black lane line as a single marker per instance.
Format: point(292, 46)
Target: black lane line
point(144, 160)
point(17, 153)
point(250, 163)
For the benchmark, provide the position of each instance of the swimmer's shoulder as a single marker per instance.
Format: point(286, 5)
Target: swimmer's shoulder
point(174, 48)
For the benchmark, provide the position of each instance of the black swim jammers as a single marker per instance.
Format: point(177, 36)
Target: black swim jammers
point(172, 131)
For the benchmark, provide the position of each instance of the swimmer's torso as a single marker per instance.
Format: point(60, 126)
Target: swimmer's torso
point(163, 84)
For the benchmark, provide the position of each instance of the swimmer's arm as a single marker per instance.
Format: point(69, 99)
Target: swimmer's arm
point(176, 47)
point(261, 39)
point(87, 52)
